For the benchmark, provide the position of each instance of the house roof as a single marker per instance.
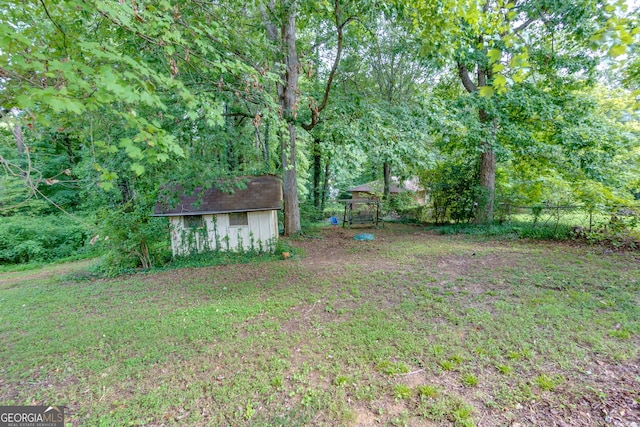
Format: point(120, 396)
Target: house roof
point(375, 187)
point(261, 193)
point(378, 186)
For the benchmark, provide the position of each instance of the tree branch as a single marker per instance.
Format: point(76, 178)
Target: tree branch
point(315, 110)
point(64, 35)
point(524, 25)
point(466, 80)
point(272, 30)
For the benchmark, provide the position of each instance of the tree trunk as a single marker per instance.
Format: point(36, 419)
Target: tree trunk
point(69, 146)
point(290, 183)
point(145, 259)
point(317, 172)
point(488, 183)
point(487, 180)
point(325, 184)
point(17, 133)
point(288, 99)
point(387, 179)
point(288, 102)
point(265, 145)
point(287, 89)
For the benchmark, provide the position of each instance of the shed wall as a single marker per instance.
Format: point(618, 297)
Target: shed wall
point(260, 234)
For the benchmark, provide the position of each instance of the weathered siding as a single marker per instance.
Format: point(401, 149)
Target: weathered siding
point(260, 234)
point(264, 228)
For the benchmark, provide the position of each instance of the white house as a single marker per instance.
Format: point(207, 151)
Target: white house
point(216, 220)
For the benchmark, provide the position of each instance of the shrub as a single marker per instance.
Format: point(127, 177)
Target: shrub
point(45, 238)
point(511, 230)
point(454, 192)
point(130, 236)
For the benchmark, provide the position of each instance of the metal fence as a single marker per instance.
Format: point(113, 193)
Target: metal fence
point(588, 218)
point(585, 218)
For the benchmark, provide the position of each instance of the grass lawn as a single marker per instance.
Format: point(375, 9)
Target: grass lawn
point(413, 329)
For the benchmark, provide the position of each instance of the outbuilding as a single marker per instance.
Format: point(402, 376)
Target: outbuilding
point(212, 219)
point(374, 189)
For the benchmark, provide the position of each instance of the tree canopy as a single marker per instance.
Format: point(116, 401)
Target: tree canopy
point(104, 102)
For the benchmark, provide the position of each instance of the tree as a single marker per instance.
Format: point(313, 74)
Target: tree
point(552, 142)
point(397, 73)
point(493, 41)
point(285, 13)
point(378, 110)
point(77, 59)
point(107, 93)
point(287, 89)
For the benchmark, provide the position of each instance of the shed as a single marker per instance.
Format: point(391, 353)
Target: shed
point(212, 219)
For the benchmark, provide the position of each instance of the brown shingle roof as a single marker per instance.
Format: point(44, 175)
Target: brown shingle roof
point(375, 187)
point(395, 187)
point(262, 193)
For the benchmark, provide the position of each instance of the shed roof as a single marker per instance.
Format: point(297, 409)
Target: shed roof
point(261, 193)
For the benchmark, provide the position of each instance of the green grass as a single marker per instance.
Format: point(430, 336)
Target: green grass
point(39, 265)
point(625, 233)
point(402, 391)
point(12, 277)
point(470, 380)
point(254, 344)
point(427, 392)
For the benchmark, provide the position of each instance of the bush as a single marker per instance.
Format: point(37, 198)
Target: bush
point(454, 192)
point(132, 239)
point(404, 207)
point(511, 230)
point(621, 231)
point(46, 238)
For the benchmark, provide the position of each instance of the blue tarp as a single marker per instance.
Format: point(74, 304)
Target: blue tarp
point(363, 236)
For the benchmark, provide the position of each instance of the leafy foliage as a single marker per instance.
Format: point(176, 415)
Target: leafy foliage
point(26, 239)
point(453, 190)
point(513, 229)
point(131, 236)
point(102, 103)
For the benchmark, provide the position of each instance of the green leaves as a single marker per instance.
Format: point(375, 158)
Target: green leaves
point(494, 55)
point(617, 50)
point(486, 91)
point(107, 178)
point(137, 168)
point(497, 68)
point(132, 151)
point(109, 68)
point(500, 83)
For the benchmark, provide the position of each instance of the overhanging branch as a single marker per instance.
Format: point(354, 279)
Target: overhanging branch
point(466, 80)
point(316, 109)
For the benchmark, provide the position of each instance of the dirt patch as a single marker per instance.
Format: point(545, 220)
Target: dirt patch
point(337, 248)
point(364, 417)
point(11, 279)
